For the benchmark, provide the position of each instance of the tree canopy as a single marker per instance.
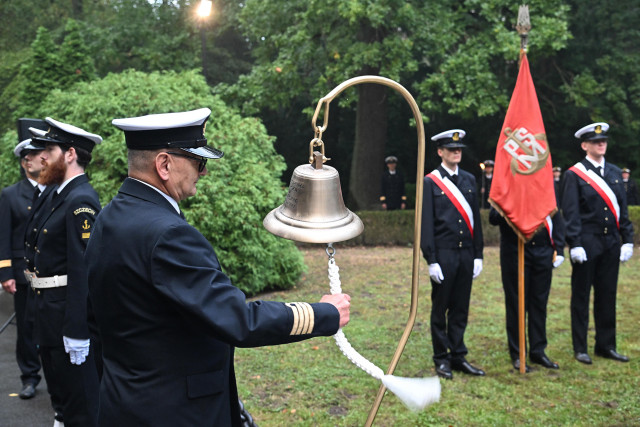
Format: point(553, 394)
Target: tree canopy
point(274, 59)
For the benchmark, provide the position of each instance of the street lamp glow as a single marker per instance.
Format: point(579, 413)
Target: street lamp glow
point(204, 9)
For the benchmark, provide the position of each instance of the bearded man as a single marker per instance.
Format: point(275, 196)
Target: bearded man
point(56, 238)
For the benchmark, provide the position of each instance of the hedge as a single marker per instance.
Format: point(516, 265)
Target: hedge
point(395, 228)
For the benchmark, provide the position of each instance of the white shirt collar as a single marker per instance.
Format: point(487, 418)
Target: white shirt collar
point(64, 184)
point(451, 172)
point(593, 162)
point(166, 196)
point(35, 183)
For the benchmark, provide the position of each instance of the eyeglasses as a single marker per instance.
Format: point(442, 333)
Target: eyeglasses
point(202, 162)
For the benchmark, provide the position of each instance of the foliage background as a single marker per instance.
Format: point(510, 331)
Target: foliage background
point(273, 59)
point(232, 199)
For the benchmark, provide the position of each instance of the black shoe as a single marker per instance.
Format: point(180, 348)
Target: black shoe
point(467, 368)
point(583, 358)
point(516, 366)
point(542, 359)
point(612, 354)
point(444, 371)
point(28, 391)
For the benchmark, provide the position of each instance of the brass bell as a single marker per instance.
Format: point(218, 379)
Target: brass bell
point(314, 211)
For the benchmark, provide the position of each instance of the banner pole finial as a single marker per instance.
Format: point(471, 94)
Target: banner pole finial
point(523, 26)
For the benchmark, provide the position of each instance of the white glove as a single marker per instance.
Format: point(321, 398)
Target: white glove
point(436, 273)
point(78, 349)
point(578, 255)
point(477, 267)
point(559, 260)
point(626, 251)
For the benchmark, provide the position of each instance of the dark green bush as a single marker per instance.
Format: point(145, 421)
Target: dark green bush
point(232, 199)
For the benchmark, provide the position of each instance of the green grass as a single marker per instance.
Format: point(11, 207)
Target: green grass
point(312, 383)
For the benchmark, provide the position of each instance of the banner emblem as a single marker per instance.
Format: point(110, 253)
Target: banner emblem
point(528, 155)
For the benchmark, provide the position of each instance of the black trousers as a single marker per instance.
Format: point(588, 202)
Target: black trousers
point(73, 388)
point(26, 349)
point(450, 304)
point(538, 266)
point(600, 271)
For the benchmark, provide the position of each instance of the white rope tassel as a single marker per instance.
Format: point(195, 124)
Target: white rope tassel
point(415, 393)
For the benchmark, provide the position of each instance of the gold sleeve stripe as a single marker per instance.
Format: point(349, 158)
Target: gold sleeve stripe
point(296, 318)
point(5, 263)
point(303, 318)
point(310, 318)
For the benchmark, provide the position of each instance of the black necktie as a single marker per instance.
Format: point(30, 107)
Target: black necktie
point(599, 170)
point(36, 194)
point(454, 179)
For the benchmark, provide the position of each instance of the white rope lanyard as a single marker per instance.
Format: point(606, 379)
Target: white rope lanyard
point(415, 393)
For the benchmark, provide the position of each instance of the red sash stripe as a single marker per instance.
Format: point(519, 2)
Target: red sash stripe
point(453, 199)
point(599, 190)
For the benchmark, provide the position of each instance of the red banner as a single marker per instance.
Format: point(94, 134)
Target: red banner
point(522, 188)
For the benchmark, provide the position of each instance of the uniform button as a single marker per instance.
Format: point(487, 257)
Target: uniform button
point(533, 243)
point(35, 247)
point(605, 208)
point(460, 231)
point(606, 218)
point(28, 208)
point(44, 231)
point(442, 192)
point(459, 244)
point(459, 220)
point(35, 230)
point(38, 292)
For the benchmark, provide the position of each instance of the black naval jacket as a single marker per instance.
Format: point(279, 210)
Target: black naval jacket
point(169, 318)
point(15, 207)
point(539, 244)
point(392, 189)
point(442, 224)
point(586, 213)
point(61, 230)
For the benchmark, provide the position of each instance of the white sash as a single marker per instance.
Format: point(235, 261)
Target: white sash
point(597, 181)
point(457, 194)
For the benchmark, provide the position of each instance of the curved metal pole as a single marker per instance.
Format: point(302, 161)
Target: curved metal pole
point(418, 210)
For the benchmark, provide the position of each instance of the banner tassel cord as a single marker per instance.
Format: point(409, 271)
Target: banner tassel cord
point(415, 393)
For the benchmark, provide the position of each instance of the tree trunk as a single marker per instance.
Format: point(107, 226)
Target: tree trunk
point(76, 7)
point(369, 148)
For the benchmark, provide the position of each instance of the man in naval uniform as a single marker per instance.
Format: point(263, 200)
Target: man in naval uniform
point(15, 205)
point(543, 253)
point(56, 240)
point(557, 182)
point(630, 187)
point(452, 245)
point(485, 185)
point(168, 317)
point(600, 236)
point(393, 196)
